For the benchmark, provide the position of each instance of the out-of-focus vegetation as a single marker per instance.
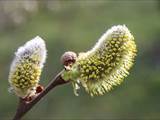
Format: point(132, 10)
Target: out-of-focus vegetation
point(76, 25)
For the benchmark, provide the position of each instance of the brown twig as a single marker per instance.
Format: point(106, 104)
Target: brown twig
point(24, 107)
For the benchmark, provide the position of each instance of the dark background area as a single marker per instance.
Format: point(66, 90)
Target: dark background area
point(77, 25)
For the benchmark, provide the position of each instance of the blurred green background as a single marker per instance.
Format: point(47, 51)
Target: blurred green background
point(76, 25)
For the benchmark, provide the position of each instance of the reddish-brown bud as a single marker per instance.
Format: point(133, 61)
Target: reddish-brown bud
point(68, 58)
point(28, 98)
point(39, 89)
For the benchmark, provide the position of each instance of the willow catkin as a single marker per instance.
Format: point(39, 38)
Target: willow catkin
point(107, 63)
point(26, 67)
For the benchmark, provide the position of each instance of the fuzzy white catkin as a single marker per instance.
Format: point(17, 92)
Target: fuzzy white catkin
point(107, 63)
point(26, 67)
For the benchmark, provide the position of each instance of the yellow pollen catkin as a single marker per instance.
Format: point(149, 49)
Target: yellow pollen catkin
point(108, 62)
point(27, 66)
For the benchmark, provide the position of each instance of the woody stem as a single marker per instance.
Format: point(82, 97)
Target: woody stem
point(24, 107)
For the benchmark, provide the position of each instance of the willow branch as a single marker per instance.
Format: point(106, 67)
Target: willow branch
point(24, 107)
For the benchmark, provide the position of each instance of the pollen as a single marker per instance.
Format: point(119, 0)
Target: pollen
point(27, 66)
point(108, 63)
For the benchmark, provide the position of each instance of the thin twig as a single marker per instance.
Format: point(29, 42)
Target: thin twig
point(24, 107)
